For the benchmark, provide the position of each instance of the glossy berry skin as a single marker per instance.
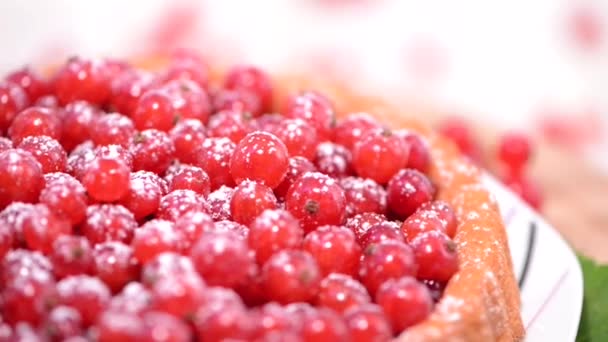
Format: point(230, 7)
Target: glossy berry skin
point(249, 79)
point(41, 227)
point(352, 128)
point(274, 230)
point(86, 294)
point(114, 152)
point(22, 263)
point(165, 265)
point(63, 322)
point(299, 137)
point(33, 85)
point(297, 166)
point(218, 203)
point(420, 222)
point(145, 192)
point(249, 200)
point(419, 157)
point(333, 160)
point(379, 155)
point(114, 264)
point(71, 255)
point(213, 156)
point(408, 190)
point(13, 99)
point(222, 259)
point(260, 157)
point(187, 67)
point(363, 195)
point(239, 101)
point(514, 150)
point(380, 232)
point(152, 151)
point(155, 237)
point(81, 79)
point(179, 202)
point(160, 326)
point(361, 223)
point(25, 298)
point(189, 101)
point(315, 109)
point(335, 249)
point(341, 292)
point(112, 128)
point(179, 296)
point(444, 213)
point(436, 256)
point(191, 227)
point(386, 260)
point(405, 302)
point(127, 88)
point(155, 111)
point(106, 180)
point(35, 121)
point(114, 325)
point(21, 178)
point(188, 177)
point(222, 317)
point(368, 323)
point(232, 124)
point(108, 222)
point(316, 200)
point(76, 121)
point(291, 276)
point(187, 136)
point(270, 321)
point(325, 325)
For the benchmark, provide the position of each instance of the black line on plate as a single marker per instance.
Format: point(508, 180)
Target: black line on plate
point(529, 253)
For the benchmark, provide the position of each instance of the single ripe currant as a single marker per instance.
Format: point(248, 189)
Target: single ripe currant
point(249, 200)
point(436, 256)
point(274, 230)
point(335, 249)
point(341, 292)
point(379, 155)
point(251, 80)
point(21, 177)
point(351, 129)
point(404, 301)
point(315, 109)
point(291, 276)
point(106, 180)
point(408, 190)
point(386, 260)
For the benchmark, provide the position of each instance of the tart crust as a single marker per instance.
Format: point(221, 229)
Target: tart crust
point(481, 302)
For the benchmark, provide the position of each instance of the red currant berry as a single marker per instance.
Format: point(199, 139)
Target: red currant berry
point(188, 177)
point(379, 155)
point(179, 296)
point(160, 327)
point(368, 323)
point(166, 265)
point(363, 195)
point(191, 226)
point(47, 151)
point(134, 298)
point(421, 221)
point(127, 88)
point(155, 111)
point(112, 128)
point(179, 202)
point(408, 190)
point(323, 325)
point(361, 223)
point(379, 232)
point(405, 302)
point(334, 248)
point(86, 294)
point(154, 237)
point(252, 290)
point(13, 99)
point(28, 297)
point(526, 189)
point(106, 180)
point(6, 239)
point(189, 100)
point(315, 109)
point(445, 214)
point(514, 150)
point(187, 136)
point(268, 122)
point(214, 157)
point(34, 85)
point(316, 200)
point(386, 260)
point(145, 192)
point(297, 166)
point(222, 317)
point(419, 157)
point(219, 203)
point(187, 68)
point(79, 158)
point(35, 121)
point(114, 325)
point(115, 152)
point(115, 264)
point(436, 256)
point(63, 322)
point(333, 160)
point(299, 137)
point(341, 292)
point(81, 79)
point(21, 263)
point(21, 178)
point(351, 129)
point(270, 321)
point(49, 101)
point(108, 222)
point(260, 157)
point(458, 131)
point(291, 276)
point(249, 200)
point(253, 81)
point(241, 231)
point(42, 227)
point(238, 101)
point(222, 259)
point(152, 150)
point(76, 121)
point(71, 255)
point(272, 231)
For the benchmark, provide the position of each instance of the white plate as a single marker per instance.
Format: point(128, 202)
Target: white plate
point(548, 271)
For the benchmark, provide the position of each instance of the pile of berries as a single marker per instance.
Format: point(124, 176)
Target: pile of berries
point(513, 153)
point(140, 206)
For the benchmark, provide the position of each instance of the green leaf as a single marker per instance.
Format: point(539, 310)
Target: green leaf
point(594, 319)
